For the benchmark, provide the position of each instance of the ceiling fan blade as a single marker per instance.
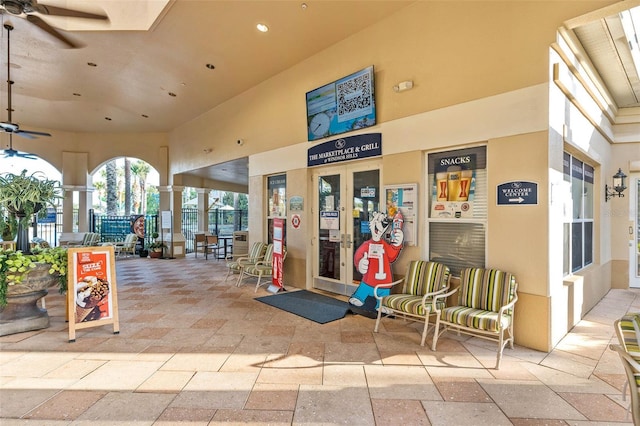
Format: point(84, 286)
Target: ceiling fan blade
point(49, 29)
point(61, 11)
point(30, 133)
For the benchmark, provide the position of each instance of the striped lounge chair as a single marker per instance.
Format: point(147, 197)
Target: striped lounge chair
point(262, 269)
point(486, 300)
point(415, 300)
point(235, 262)
point(628, 332)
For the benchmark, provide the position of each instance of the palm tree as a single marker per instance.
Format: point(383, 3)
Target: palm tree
point(127, 186)
point(112, 188)
point(140, 169)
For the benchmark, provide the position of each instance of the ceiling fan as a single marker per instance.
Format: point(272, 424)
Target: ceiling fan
point(26, 8)
point(10, 152)
point(9, 126)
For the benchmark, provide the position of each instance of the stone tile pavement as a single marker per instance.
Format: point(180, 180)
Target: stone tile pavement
point(196, 350)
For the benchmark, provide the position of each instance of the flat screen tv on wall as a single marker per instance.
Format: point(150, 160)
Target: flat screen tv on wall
point(342, 106)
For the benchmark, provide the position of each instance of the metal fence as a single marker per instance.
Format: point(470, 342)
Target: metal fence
point(222, 222)
point(114, 228)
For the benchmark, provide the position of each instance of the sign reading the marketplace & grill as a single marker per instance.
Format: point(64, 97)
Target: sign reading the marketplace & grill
point(345, 149)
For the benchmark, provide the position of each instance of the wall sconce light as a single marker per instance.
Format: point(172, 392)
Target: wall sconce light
point(618, 186)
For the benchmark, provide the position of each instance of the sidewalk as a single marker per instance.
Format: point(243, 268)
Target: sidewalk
point(195, 350)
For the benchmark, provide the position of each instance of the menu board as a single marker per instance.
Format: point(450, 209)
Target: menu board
point(92, 291)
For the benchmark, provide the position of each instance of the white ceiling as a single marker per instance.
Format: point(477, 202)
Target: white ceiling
point(56, 89)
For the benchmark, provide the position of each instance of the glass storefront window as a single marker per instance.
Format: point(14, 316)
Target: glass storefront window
point(457, 214)
point(277, 202)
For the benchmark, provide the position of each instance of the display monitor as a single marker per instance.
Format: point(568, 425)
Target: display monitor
point(342, 106)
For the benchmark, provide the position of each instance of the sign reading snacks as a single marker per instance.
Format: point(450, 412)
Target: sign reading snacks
point(345, 149)
point(518, 193)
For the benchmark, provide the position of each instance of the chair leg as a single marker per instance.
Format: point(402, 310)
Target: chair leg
point(436, 333)
point(500, 347)
point(375, 329)
point(240, 278)
point(424, 331)
point(258, 284)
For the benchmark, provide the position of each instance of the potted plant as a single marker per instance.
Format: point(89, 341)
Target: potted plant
point(25, 275)
point(156, 248)
point(22, 196)
point(25, 279)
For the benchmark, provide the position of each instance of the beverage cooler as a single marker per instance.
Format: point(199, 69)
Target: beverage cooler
point(240, 242)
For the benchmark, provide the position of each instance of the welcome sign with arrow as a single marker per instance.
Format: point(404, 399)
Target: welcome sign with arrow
point(517, 193)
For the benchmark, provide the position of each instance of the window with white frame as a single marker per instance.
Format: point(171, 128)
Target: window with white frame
point(578, 217)
point(457, 219)
point(276, 201)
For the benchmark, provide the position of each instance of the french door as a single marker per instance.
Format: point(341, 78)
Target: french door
point(344, 198)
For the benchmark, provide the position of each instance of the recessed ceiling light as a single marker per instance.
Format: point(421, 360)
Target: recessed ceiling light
point(262, 28)
point(210, 66)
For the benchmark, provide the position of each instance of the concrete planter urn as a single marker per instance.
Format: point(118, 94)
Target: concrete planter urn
point(22, 313)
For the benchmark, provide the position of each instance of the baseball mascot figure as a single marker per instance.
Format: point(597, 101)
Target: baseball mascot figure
point(373, 260)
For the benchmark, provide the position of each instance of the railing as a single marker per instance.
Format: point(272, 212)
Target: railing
point(222, 222)
point(114, 228)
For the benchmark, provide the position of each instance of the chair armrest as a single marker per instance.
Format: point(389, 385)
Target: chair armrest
point(230, 257)
point(385, 286)
point(433, 294)
point(509, 305)
point(441, 296)
point(624, 354)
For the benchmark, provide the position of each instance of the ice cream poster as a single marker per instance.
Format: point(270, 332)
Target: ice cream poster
point(91, 288)
point(453, 187)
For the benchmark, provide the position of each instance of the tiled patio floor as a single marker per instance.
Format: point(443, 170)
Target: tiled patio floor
point(194, 349)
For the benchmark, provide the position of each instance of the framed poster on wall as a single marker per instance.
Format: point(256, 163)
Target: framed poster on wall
point(403, 199)
point(91, 289)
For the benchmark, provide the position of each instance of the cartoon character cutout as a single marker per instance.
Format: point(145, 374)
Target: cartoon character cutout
point(374, 257)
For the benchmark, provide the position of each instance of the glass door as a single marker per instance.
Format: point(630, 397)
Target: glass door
point(634, 232)
point(344, 198)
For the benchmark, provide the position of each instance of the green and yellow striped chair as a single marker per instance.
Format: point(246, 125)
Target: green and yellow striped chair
point(628, 332)
point(486, 300)
point(262, 268)
point(235, 262)
point(414, 301)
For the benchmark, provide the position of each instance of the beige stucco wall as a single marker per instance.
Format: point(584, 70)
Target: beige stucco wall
point(453, 51)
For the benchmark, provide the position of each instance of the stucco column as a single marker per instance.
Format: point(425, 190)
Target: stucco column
point(75, 177)
point(171, 197)
point(203, 209)
point(67, 210)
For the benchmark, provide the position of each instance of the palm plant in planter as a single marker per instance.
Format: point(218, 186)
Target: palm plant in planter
point(23, 195)
point(25, 276)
